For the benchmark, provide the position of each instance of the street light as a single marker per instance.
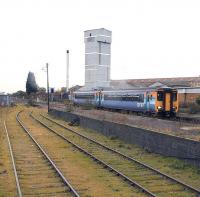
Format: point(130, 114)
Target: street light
point(47, 71)
point(67, 72)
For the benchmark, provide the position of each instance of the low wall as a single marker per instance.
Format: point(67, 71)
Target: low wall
point(164, 144)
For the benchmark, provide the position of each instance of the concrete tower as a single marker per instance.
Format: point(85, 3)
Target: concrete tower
point(97, 58)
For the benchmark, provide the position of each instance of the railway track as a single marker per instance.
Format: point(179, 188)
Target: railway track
point(54, 138)
point(35, 173)
point(158, 183)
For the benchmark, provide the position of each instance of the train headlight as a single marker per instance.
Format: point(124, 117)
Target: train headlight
point(159, 107)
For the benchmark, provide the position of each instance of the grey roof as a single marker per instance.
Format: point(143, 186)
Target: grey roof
point(127, 84)
point(152, 82)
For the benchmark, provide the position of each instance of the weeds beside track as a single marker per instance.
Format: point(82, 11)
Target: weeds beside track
point(64, 153)
point(157, 182)
point(35, 172)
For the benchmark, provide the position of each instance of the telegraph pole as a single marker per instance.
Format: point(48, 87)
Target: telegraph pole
point(67, 72)
point(47, 66)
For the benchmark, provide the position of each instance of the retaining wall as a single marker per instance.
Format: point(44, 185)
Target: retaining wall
point(164, 144)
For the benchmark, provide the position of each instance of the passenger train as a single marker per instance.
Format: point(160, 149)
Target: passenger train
point(161, 101)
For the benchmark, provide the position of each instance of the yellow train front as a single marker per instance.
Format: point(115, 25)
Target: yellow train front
point(167, 102)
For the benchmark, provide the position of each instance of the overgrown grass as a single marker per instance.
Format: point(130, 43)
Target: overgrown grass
point(172, 166)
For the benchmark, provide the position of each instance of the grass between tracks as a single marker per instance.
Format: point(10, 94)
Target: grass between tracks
point(89, 178)
point(145, 177)
point(6, 170)
point(172, 166)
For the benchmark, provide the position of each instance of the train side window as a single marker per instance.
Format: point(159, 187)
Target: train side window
point(160, 96)
point(174, 96)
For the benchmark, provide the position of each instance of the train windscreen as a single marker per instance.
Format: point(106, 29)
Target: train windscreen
point(174, 96)
point(160, 96)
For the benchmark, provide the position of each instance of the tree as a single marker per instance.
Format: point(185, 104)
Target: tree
point(41, 90)
point(20, 94)
point(31, 86)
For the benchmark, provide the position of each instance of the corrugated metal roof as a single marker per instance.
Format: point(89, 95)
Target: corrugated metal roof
point(171, 82)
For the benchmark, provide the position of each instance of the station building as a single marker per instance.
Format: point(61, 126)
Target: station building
point(98, 63)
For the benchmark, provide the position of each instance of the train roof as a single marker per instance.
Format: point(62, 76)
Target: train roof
point(128, 90)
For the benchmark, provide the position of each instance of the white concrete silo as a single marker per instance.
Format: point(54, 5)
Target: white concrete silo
point(97, 58)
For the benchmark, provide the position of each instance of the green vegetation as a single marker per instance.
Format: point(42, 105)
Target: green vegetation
point(172, 166)
point(31, 86)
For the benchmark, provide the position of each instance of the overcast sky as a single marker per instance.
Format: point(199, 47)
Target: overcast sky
point(151, 38)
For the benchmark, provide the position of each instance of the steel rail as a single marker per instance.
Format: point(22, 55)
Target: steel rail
point(13, 162)
point(124, 177)
point(64, 180)
point(126, 157)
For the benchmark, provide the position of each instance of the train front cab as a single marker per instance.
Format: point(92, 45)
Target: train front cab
point(166, 102)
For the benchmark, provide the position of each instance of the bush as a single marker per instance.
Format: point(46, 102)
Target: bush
point(32, 103)
point(113, 137)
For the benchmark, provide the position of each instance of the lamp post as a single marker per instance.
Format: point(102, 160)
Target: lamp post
point(47, 71)
point(47, 67)
point(67, 72)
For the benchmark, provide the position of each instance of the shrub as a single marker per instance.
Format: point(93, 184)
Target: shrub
point(32, 103)
point(113, 137)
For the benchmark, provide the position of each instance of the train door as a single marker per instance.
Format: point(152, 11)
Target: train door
point(148, 101)
point(99, 96)
point(167, 101)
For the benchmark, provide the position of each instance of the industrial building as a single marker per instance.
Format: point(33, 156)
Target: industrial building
point(5, 99)
point(98, 63)
point(97, 58)
point(188, 87)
